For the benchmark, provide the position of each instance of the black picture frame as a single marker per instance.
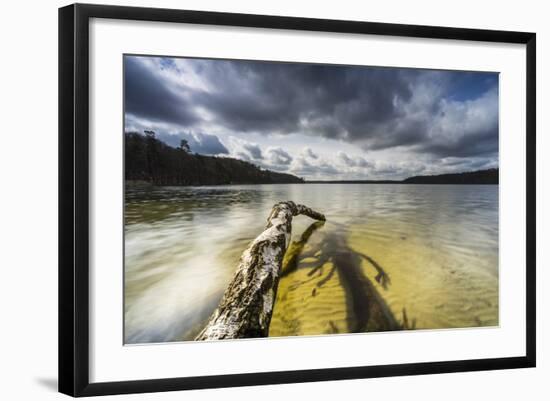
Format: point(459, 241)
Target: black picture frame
point(74, 198)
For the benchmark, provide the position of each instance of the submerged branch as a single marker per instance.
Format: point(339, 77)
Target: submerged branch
point(247, 305)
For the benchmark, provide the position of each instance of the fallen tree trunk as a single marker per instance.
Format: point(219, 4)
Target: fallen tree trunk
point(247, 305)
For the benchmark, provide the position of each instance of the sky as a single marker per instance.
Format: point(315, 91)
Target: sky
point(318, 121)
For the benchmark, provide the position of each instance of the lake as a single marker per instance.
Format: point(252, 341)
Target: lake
point(427, 253)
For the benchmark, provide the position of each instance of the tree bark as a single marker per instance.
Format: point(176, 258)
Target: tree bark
point(247, 305)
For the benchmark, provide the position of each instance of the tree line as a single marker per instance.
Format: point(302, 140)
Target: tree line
point(151, 160)
point(489, 176)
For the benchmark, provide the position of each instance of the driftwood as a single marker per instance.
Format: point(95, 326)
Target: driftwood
point(247, 305)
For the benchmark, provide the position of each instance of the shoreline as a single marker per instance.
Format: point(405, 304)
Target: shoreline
point(147, 184)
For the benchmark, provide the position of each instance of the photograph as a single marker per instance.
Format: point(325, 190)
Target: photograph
point(273, 199)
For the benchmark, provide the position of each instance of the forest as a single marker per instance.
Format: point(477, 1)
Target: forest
point(147, 159)
point(489, 176)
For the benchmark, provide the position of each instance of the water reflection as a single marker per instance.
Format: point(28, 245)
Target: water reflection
point(438, 244)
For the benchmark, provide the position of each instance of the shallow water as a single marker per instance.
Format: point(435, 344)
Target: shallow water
point(415, 256)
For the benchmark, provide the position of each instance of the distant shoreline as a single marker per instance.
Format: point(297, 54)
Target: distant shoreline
point(481, 177)
point(396, 182)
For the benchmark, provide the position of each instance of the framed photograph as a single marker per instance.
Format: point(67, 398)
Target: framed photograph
point(250, 199)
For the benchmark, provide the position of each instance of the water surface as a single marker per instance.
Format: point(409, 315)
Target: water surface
point(414, 256)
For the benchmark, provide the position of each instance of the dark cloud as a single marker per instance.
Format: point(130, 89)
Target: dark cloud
point(309, 153)
point(398, 133)
point(330, 101)
point(253, 150)
point(148, 96)
point(278, 156)
point(482, 144)
point(346, 159)
point(434, 113)
point(350, 161)
point(274, 158)
point(246, 150)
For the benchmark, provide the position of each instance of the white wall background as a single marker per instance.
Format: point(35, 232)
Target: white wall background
point(28, 205)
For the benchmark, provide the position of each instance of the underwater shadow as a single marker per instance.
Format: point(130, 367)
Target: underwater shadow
point(367, 310)
point(296, 248)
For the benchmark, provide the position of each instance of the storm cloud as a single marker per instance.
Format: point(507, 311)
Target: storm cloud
point(431, 114)
point(147, 95)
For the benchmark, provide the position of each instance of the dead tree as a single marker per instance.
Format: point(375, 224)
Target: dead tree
point(247, 305)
